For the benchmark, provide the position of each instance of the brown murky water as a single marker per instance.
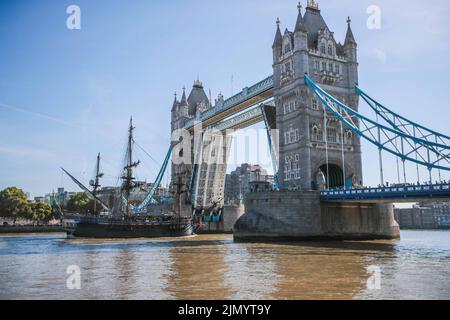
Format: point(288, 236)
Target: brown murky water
point(214, 267)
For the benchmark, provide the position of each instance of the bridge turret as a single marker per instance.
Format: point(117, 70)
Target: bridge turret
point(179, 111)
point(174, 111)
point(197, 100)
point(183, 108)
point(300, 27)
point(350, 48)
point(175, 104)
point(300, 55)
point(277, 43)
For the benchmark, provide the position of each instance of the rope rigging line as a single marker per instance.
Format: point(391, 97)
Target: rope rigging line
point(149, 197)
point(148, 154)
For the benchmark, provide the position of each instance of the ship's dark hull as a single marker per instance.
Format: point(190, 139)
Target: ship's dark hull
point(88, 229)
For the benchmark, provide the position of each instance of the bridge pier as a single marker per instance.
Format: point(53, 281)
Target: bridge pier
point(300, 215)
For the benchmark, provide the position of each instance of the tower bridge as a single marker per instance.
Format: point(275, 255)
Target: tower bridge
point(312, 100)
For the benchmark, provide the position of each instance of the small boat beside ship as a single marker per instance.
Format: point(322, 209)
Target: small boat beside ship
point(126, 219)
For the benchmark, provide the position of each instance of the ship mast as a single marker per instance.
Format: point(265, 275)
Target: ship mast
point(96, 183)
point(128, 178)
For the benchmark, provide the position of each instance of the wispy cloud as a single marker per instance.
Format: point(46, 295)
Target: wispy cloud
point(410, 30)
point(27, 152)
point(37, 114)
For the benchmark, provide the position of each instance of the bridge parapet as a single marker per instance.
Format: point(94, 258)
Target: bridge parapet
point(406, 193)
point(245, 94)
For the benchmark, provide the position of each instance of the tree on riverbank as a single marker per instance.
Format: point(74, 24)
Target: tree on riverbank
point(14, 204)
point(41, 212)
point(80, 203)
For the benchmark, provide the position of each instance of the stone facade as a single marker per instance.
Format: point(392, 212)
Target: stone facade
point(312, 49)
point(424, 216)
point(205, 168)
point(299, 215)
point(230, 214)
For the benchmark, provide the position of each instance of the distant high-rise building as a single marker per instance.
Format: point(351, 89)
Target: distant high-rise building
point(61, 196)
point(138, 194)
point(237, 182)
point(424, 216)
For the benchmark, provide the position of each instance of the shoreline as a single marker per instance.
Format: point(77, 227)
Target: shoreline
point(31, 229)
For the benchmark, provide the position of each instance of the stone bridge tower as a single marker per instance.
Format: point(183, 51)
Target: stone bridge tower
point(201, 164)
point(305, 139)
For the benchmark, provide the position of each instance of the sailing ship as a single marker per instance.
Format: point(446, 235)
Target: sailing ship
point(125, 219)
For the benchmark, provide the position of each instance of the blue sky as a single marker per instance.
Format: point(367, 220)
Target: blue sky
point(67, 94)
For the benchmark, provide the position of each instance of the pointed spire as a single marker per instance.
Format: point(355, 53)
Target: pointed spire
point(278, 38)
point(175, 103)
point(183, 101)
point(349, 38)
point(300, 25)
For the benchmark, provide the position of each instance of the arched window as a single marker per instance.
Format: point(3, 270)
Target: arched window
point(317, 133)
point(322, 48)
point(330, 50)
point(287, 47)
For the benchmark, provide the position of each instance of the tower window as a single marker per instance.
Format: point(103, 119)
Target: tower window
point(324, 66)
point(317, 65)
point(317, 134)
point(291, 136)
point(291, 168)
point(287, 48)
point(287, 67)
point(289, 106)
point(337, 69)
point(330, 50)
point(315, 104)
point(322, 49)
point(330, 67)
point(332, 135)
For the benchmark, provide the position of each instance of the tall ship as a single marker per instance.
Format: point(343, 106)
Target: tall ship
point(123, 217)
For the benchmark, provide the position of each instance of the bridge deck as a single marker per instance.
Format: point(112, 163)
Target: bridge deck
point(247, 98)
point(422, 193)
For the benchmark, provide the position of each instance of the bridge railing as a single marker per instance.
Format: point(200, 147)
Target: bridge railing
point(245, 94)
point(380, 192)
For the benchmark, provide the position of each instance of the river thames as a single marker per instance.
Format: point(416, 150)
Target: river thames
point(214, 267)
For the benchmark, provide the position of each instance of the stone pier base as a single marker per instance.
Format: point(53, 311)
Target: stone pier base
point(299, 215)
point(231, 213)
